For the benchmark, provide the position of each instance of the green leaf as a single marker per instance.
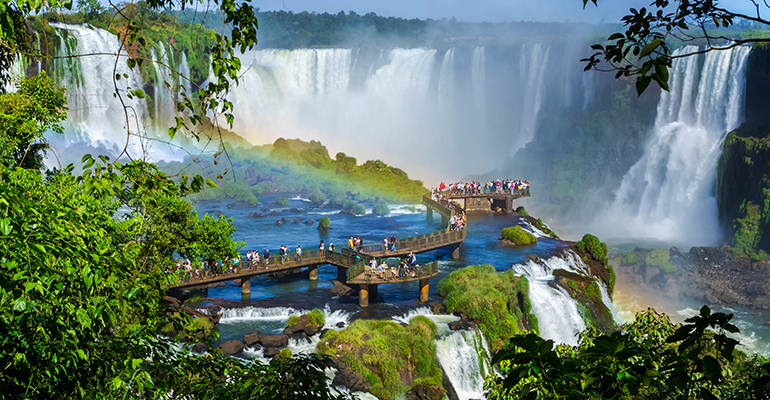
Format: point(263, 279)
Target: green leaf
point(5, 226)
point(210, 183)
point(647, 50)
point(20, 304)
point(82, 316)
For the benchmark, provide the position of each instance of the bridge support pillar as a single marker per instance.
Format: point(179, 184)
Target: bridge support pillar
point(430, 214)
point(363, 295)
point(246, 286)
point(444, 220)
point(314, 273)
point(456, 251)
point(424, 290)
point(508, 205)
point(342, 274)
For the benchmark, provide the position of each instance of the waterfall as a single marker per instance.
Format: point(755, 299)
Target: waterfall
point(96, 118)
point(464, 355)
point(668, 194)
point(532, 65)
point(588, 89)
point(446, 79)
point(478, 83)
point(557, 313)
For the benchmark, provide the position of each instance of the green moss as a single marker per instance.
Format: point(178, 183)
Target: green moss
point(597, 250)
point(522, 211)
point(324, 223)
point(500, 301)
point(381, 209)
point(285, 354)
point(660, 258)
point(282, 201)
point(354, 208)
point(316, 316)
point(518, 235)
point(593, 292)
point(572, 285)
point(387, 354)
point(293, 320)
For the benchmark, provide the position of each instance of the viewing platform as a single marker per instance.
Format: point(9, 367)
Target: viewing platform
point(352, 264)
point(487, 202)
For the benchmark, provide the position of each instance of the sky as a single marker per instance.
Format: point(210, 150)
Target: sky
point(480, 10)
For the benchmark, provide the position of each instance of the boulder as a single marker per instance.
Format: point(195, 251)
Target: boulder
point(762, 303)
point(340, 289)
point(758, 288)
point(728, 297)
point(200, 347)
point(425, 392)
point(231, 348)
point(650, 272)
point(279, 222)
point(274, 340)
point(251, 338)
point(309, 222)
point(271, 352)
point(299, 326)
point(255, 215)
point(350, 379)
point(275, 214)
point(340, 325)
point(462, 325)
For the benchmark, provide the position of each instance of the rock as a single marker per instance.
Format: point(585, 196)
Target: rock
point(274, 340)
point(231, 348)
point(758, 288)
point(309, 222)
point(200, 347)
point(252, 338)
point(649, 273)
point(255, 215)
point(275, 214)
point(298, 326)
point(297, 210)
point(279, 222)
point(271, 352)
point(340, 289)
point(340, 324)
point(728, 297)
point(216, 212)
point(762, 303)
point(173, 302)
point(297, 220)
point(350, 379)
point(425, 392)
point(462, 325)
point(671, 290)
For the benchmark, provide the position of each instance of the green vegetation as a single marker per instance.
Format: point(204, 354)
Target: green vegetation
point(522, 211)
point(294, 166)
point(517, 235)
point(631, 258)
point(354, 209)
point(648, 358)
point(572, 284)
point(660, 258)
point(500, 301)
point(324, 223)
point(597, 250)
point(282, 201)
point(381, 209)
point(285, 353)
point(391, 357)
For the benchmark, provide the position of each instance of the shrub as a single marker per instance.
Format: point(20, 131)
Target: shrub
point(293, 320)
point(324, 223)
point(316, 196)
point(316, 316)
point(521, 210)
point(354, 209)
point(660, 258)
point(631, 258)
point(381, 209)
point(592, 245)
point(282, 201)
point(285, 354)
point(517, 235)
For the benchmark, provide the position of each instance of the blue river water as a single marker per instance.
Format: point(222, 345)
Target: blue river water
point(298, 292)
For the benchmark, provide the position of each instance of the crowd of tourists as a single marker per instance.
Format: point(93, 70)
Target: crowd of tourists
point(186, 270)
point(406, 268)
point(508, 186)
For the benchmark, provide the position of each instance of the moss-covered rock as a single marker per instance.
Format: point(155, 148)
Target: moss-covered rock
point(498, 300)
point(660, 258)
point(392, 358)
point(594, 251)
point(518, 236)
point(324, 223)
point(586, 292)
point(381, 209)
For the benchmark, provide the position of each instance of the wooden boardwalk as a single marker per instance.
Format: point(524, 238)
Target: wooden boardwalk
point(352, 264)
point(487, 202)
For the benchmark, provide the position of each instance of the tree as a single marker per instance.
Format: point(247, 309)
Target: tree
point(643, 50)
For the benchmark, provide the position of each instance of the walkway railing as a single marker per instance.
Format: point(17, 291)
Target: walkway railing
point(362, 273)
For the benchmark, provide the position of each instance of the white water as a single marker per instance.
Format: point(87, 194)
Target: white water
point(557, 313)
point(478, 84)
point(441, 320)
point(446, 80)
point(668, 195)
point(465, 358)
point(532, 69)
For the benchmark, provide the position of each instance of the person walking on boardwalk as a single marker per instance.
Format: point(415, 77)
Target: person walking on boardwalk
point(282, 252)
point(393, 242)
point(373, 266)
point(267, 257)
point(321, 249)
point(299, 253)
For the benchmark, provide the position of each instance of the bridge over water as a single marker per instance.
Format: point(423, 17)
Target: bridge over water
point(353, 264)
point(487, 202)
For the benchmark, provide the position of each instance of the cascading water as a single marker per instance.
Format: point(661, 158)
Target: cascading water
point(557, 313)
point(532, 64)
point(668, 194)
point(464, 355)
point(478, 84)
point(446, 79)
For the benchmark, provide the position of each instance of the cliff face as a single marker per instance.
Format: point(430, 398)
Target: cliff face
point(743, 176)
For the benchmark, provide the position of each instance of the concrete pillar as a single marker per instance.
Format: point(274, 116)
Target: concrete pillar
point(314, 273)
point(444, 220)
point(430, 214)
point(342, 274)
point(363, 295)
point(424, 290)
point(246, 285)
point(456, 251)
point(508, 205)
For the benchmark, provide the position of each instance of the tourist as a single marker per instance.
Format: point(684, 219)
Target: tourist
point(298, 253)
point(331, 247)
point(267, 257)
point(256, 258)
point(321, 249)
point(373, 266)
point(351, 243)
point(393, 242)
